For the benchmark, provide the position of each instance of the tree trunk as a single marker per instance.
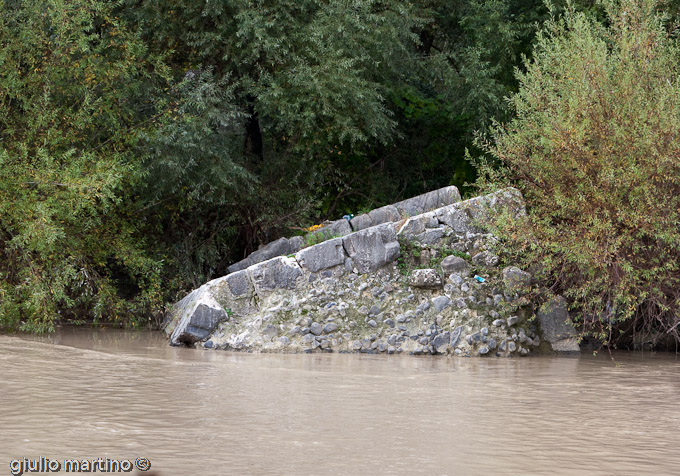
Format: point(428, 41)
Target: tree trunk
point(253, 143)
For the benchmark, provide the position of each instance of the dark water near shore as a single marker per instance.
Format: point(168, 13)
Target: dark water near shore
point(122, 395)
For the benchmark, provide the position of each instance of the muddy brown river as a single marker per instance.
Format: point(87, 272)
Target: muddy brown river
point(118, 396)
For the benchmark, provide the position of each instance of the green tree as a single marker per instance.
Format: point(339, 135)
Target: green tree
point(334, 106)
point(306, 84)
point(595, 151)
point(461, 69)
point(194, 178)
point(73, 93)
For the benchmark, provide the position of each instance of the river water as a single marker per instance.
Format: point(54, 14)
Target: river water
point(123, 395)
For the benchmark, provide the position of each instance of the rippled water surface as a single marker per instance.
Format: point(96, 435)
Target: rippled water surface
point(89, 394)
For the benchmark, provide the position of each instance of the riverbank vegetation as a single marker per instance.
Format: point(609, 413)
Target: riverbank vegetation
point(594, 148)
point(144, 146)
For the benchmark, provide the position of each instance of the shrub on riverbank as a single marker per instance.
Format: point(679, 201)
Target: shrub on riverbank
point(595, 150)
point(73, 94)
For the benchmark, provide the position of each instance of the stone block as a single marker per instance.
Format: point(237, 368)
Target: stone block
point(239, 284)
point(322, 256)
point(202, 322)
point(296, 243)
point(333, 229)
point(280, 247)
point(484, 208)
point(195, 317)
point(433, 236)
point(448, 195)
point(417, 225)
point(372, 248)
point(240, 265)
point(277, 273)
point(361, 222)
point(419, 204)
point(458, 218)
point(234, 292)
point(470, 215)
point(384, 214)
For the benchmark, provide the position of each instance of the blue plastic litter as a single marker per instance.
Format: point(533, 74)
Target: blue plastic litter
point(479, 279)
point(348, 217)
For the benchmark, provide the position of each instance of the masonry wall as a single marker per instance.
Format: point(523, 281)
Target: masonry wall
point(426, 284)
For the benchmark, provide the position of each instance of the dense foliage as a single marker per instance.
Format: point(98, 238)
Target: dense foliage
point(594, 148)
point(73, 93)
point(146, 145)
point(333, 108)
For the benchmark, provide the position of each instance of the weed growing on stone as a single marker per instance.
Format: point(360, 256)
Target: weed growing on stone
point(402, 265)
point(460, 254)
point(409, 249)
point(315, 238)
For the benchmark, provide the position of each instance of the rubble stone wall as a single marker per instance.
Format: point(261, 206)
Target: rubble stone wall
point(416, 283)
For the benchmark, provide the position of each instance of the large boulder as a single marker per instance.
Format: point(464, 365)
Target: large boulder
point(372, 248)
point(553, 319)
point(322, 256)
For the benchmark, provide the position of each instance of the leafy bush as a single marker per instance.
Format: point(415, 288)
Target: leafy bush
point(595, 150)
point(73, 91)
